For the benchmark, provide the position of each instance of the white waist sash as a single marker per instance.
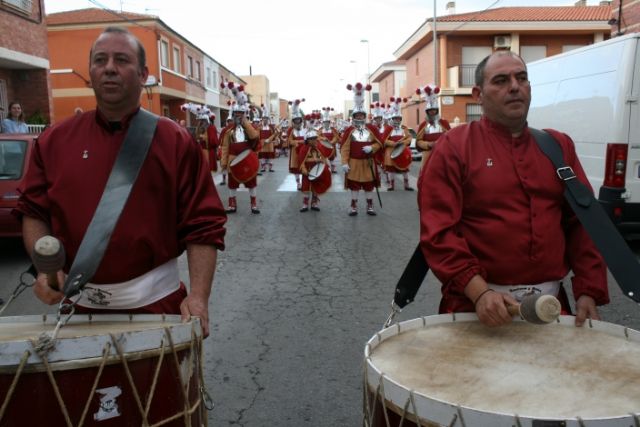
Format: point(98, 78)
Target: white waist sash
point(143, 290)
point(521, 291)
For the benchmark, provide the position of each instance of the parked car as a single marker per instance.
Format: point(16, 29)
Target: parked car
point(15, 151)
point(415, 154)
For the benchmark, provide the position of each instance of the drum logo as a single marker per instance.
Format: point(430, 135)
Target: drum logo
point(97, 296)
point(108, 405)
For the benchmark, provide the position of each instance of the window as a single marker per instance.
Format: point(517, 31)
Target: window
point(189, 66)
point(198, 74)
point(532, 53)
point(176, 59)
point(215, 79)
point(208, 73)
point(568, 47)
point(164, 53)
point(22, 5)
point(417, 66)
point(4, 102)
point(471, 57)
point(474, 112)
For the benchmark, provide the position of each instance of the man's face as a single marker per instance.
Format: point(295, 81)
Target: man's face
point(296, 123)
point(432, 113)
point(237, 117)
point(358, 119)
point(378, 120)
point(397, 121)
point(505, 94)
point(116, 76)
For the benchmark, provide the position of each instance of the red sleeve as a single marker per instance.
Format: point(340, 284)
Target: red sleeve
point(440, 197)
point(33, 200)
point(588, 266)
point(212, 134)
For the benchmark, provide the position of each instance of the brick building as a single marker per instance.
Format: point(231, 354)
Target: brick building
point(464, 39)
point(24, 58)
point(179, 71)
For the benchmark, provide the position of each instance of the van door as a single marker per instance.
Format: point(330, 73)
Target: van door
point(632, 194)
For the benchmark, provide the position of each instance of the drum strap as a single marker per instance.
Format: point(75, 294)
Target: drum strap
point(621, 261)
point(121, 179)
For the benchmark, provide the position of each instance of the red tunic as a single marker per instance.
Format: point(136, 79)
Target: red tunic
point(214, 142)
point(493, 205)
point(172, 203)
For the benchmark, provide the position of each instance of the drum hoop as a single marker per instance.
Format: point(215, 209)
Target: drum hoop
point(440, 411)
point(72, 348)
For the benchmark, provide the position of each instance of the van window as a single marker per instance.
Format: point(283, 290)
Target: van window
point(12, 159)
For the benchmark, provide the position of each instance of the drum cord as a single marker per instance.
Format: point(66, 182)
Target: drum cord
point(22, 285)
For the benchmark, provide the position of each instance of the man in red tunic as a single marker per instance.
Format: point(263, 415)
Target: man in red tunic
point(173, 204)
point(268, 136)
point(493, 216)
point(397, 138)
point(214, 143)
point(330, 134)
point(433, 126)
point(229, 125)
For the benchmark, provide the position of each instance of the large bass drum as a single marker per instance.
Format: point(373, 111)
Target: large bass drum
point(103, 370)
point(451, 370)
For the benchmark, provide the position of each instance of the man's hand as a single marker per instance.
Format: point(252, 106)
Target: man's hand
point(48, 293)
point(367, 149)
point(346, 168)
point(491, 308)
point(586, 307)
point(194, 306)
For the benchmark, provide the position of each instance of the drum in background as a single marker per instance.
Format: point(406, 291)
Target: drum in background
point(106, 370)
point(401, 156)
point(320, 178)
point(325, 148)
point(450, 370)
point(244, 167)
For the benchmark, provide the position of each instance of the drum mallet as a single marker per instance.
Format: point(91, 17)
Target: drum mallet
point(539, 309)
point(48, 257)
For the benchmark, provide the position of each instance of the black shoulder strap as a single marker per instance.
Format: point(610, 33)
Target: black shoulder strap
point(121, 179)
point(621, 261)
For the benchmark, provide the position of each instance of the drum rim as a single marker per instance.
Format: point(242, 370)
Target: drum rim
point(77, 347)
point(440, 411)
point(237, 159)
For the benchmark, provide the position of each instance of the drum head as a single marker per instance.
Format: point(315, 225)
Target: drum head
point(240, 157)
point(316, 171)
point(551, 372)
point(326, 143)
point(397, 151)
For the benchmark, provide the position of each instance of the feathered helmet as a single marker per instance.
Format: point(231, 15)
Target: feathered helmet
point(326, 114)
point(242, 101)
point(284, 123)
point(395, 106)
point(296, 111)
point(358, 97)
point(202, 112)
point(377, 110)
point(429, 94)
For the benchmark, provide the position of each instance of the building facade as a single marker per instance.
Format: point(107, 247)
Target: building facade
point(24, 59)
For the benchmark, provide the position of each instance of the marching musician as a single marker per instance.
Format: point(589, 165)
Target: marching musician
point(330, 134)
point(268, 135)
point(294, 138)
point(238, 137)
point(311, 156)
point(398, 136)
point(433, 126)
point(358, 146)
point(225, 129)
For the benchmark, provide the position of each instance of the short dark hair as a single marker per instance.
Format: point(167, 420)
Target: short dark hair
point(142, 54)
point(479, 75)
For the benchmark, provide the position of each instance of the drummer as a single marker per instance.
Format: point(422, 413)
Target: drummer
point(310, 156)
point(173, 204)
point(239, 136)
point(330, 134)
point(295, 137)
point(494, 220)
point(399, 136)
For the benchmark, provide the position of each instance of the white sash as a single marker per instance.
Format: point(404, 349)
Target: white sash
point(143, 290)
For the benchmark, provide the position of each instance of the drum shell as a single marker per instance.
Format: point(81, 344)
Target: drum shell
point(244, 167)
point(320, 178)
point(401, 157)
point(33, 402)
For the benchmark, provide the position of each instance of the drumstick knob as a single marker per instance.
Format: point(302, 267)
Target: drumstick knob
point(538, 309)
point(48, 257)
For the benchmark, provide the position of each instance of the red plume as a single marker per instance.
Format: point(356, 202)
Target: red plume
point(349, 87)
point(230, 85)
point(436, 90)
point(367, 87)
point(404, 99)
point(427, 90)
point(241, 88)
point(358, 86)
point(418, 91)
point(302, 100)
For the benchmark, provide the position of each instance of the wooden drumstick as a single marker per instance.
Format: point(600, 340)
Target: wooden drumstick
point(48, 257)
point(539, 309)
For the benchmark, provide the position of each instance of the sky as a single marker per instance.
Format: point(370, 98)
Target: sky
point(308, 50)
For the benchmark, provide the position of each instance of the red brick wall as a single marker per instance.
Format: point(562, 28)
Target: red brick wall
point(24, 33)
point(630, 21)
point(31, 89)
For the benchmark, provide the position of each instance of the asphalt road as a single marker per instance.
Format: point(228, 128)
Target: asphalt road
point(296, 296)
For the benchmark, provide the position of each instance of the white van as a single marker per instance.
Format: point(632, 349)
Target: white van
point(592, 94)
